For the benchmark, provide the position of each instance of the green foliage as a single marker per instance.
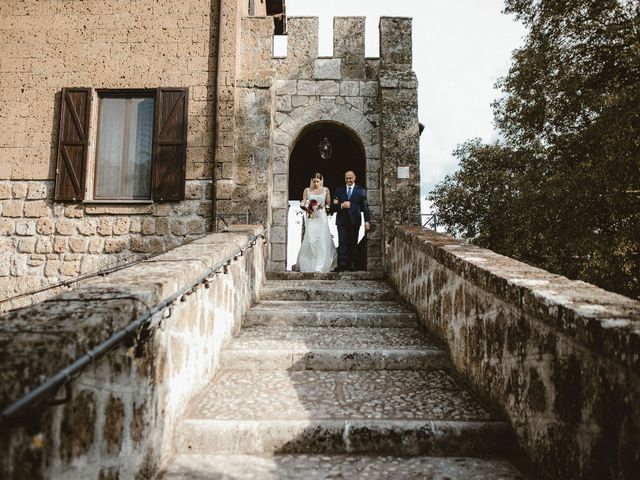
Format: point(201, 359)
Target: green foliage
point(561, 190)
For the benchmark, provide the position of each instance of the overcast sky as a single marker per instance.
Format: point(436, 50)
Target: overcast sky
point(460, 48)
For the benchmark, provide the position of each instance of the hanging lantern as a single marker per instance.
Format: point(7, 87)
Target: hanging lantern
point(325, 148)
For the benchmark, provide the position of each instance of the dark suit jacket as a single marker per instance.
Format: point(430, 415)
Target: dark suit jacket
point(359, 204)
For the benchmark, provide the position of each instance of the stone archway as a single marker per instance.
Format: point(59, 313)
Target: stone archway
point(305, 160)
point(290, 125)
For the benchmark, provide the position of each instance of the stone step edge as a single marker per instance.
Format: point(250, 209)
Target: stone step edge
point(399, 437)
point(203, 466)
point(335, 359)
point(309, 320)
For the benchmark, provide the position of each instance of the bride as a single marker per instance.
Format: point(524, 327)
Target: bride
point(317, 252)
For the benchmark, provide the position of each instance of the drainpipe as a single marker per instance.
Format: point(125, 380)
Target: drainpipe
point(214, 189)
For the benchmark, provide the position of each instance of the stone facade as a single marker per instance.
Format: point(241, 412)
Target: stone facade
point(277, 97)
point(104, 45)
point(559, 357)
point(119, 422)
point(246, 110)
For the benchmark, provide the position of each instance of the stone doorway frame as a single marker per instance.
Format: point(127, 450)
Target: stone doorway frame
point(289, 125)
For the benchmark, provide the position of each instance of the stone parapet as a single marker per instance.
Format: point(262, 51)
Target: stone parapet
point(559, 357)
point(119, 420)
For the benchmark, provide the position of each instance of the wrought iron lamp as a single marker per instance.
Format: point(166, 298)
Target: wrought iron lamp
point(325, 148)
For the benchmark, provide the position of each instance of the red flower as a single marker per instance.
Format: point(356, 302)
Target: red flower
point(311, 207)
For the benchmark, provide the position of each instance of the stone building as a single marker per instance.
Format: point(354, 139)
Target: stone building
point(129, 128)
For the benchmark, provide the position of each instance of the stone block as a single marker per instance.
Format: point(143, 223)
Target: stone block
point(194, 191)
point(25, 227)
point(70, 268)
point(19, 189)
point(278, 252)
point(105, 227)
point(74, 211)
point(96, 245)
point(356, 102)
point(157, 245)
point(121, 226)
point(139, 245)
point(7, 226)
point(283, 103)
point(178, 227)
point(5, 190)
point(65, 227)
point(36, 208)
point(115, 245)
point(12, 208)
point(328, 87)
point(87, 227)
point(307, 87)
point(60, 244)
point(148, 226)
point(44, 245)
point(52, 268)
point(369, 89)
point(299, 100)
point(135, 226)
point(44, 226)
point(162, 226)
point(37, 191)
point(78, 244)
point(349, 88)
point(162, 210)
point(285, 87)
point(327, 68)
point(26, 245)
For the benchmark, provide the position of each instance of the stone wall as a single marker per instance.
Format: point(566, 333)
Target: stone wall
point(559, 357)
point(43, 242)
point(114, 44)
point(119, 421)
point(284, 95)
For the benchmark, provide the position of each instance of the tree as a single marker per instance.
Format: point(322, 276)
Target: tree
point(561, 190)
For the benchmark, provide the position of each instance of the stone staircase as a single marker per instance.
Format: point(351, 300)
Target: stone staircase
point(330, 378)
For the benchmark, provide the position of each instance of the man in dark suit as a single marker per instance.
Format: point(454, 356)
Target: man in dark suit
point(348, 202)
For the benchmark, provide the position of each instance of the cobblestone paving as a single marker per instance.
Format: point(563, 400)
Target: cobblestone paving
point(334, 467)
point(384, 395)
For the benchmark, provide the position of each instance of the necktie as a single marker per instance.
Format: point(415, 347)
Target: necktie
point(349, 193)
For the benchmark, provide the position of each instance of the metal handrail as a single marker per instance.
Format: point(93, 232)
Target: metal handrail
point(246, 216)
point(427, 220)
point(65, 376)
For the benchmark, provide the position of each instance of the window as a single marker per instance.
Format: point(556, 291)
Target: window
point(140, 145)
point(123, 148)
point(252, 8)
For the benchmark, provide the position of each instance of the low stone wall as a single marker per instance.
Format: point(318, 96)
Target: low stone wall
point(560, 357)
point(119, 421)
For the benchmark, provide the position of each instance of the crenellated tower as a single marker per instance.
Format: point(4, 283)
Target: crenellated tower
point(279, 102)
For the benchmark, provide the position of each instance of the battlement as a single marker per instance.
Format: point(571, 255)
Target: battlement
point(348, 60)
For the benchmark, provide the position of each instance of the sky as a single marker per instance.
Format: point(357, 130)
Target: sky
point(460, 49)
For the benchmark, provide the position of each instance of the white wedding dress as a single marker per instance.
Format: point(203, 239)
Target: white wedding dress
point(317, 252)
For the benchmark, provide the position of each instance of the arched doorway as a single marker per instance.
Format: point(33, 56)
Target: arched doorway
point(305, 160)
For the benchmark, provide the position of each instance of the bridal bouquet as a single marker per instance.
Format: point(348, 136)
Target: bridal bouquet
point(309, 207)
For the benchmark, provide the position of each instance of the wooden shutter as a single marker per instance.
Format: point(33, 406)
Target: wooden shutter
point(170, 144)
point(73, 143)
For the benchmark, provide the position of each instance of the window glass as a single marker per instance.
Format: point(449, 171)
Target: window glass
point(125, 142)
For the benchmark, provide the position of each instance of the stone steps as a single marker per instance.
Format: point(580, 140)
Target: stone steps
point(327, 290)
point(372, 313)
point(317, 467)
point(332, 348)
point(325, 377)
